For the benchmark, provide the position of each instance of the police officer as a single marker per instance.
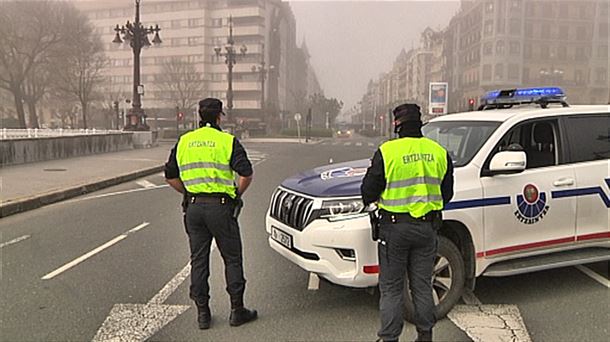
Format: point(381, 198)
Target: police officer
point(411, 178)
point(201, 166)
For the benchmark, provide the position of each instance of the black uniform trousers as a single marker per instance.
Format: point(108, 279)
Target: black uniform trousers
point(204, 222)
point(406, 249)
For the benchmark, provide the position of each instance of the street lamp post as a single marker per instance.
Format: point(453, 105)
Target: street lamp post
point(262, 70)
point(230, 55)
point(137, 35)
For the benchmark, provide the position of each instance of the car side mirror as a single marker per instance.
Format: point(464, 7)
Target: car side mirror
point(508, 162)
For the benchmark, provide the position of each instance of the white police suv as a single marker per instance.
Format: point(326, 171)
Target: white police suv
point(532, 192)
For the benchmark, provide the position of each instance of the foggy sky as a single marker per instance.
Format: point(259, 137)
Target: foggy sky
point(351, 42)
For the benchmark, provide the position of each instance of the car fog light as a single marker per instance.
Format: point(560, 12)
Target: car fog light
point(346, 254)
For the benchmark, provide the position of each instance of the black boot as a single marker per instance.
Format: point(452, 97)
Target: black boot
point(241, 315)
point(204, 316)
point(424, 336)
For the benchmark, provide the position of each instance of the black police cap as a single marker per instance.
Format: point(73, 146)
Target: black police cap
point(210, 106)
point(408, 112)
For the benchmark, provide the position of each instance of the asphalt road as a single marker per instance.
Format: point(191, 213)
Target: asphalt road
point(557, 305)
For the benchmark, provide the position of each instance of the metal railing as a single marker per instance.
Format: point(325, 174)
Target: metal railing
point(32, 133)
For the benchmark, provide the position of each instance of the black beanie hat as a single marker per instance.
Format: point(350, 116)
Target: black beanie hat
point(408, 113)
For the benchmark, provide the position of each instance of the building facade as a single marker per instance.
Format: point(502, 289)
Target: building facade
point(190, 30)
point(503, 44)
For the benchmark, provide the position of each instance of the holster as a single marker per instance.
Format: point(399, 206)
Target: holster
point(374, 217)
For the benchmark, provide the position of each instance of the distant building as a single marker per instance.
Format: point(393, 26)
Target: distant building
point(497, 44)
point(190, 31)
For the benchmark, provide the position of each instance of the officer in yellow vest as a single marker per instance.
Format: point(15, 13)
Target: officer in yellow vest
point(410, 178)
point(202, 166)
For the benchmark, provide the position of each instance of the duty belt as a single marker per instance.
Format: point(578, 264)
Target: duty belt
point(210, 199)
point(389, 217)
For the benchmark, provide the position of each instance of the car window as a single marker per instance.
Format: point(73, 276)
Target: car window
point(538, 139)
point(461, 139)
point(589, 137)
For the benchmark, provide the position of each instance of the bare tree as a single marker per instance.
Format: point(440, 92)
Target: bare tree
point(180, 84)
point(80, 71)
point(28, 30)
point(111, 94)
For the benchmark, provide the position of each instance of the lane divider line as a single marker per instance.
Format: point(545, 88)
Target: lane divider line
point(14, 241)
point(594, 275)
point(88, 255)
point(118, 193)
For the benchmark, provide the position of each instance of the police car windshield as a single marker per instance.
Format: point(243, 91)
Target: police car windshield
point(462, 139)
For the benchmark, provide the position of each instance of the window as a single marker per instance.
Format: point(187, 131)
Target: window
point(515, 26)
point(194, 41)
point(564, 32)
point(526, 75)
point(513, 72)
point(579, 77)
point(601, 75)
point(544, 51)
point(487, 48)
point(545, 31)
point(580, 53)
point(462, 140)
point(500, 47)
point(489, 7)
point(489, 27)
point(217, 22)
point(487, 72)
point(538, 139)
point(581, 33)
point(602, 51)
point(195, 22)
point(562, 52)
point(527, 50)
point(563, 10)
point(603, 30)
point(529, 30)
point(499, 72)
point(176, 24)
point(589, 137)
point(515, 48)
point(515, 4)
point(500, 24)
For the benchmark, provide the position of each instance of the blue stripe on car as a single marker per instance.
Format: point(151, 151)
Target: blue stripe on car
point(483, 202)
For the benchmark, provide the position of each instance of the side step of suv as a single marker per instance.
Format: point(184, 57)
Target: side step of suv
point(545, 262)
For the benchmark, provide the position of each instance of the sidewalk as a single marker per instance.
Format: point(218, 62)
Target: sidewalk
point(312, 141)
point(29, 186)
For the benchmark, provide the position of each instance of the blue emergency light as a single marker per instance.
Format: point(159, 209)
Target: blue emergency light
point(509, 97)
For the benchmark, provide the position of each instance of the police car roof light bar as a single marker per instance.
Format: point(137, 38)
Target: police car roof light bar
point(507, 98)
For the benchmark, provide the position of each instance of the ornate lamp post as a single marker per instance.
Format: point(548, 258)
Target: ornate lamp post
point(230, 55)
point(260, 68)
point(137, 35)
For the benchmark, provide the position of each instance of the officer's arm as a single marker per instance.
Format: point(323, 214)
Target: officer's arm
point(172, 173)
point(447, 183)
point(241, 164)
point(374, 181)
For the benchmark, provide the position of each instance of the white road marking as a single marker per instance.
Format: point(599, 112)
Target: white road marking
point(92, 253)
point(145, 184)
point(594, 275)
point(335, 143)
point(314, 282)
point(138, 322)
point(171, 286)
point(117, 193)
point(348, 144)
point(14, 241)
point(490, 322)
point(371, 144)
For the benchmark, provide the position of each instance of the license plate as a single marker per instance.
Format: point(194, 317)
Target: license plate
point(281, 237)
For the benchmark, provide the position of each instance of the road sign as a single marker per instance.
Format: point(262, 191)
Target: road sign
point(438, 93)
point(297, 116)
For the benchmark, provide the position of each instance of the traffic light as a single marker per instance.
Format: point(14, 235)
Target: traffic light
point(180, 116)
point(470, 104)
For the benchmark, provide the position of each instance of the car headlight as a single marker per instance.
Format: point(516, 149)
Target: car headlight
point(341, 209)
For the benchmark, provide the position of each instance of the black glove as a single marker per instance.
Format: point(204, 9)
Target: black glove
point(239, 204)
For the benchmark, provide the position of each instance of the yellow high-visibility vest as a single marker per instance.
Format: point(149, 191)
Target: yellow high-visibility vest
point(414, 169)
point(204, 157)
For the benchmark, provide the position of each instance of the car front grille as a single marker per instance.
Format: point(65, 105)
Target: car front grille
point(291, 209)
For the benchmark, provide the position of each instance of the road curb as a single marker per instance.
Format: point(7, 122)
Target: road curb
point(37, 201)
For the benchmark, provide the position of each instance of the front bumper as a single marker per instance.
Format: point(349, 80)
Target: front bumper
point(316, 249)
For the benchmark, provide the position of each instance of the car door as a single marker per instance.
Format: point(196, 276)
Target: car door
point(589, 154)
point(530, 219)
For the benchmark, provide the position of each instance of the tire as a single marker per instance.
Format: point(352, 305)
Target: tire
point(454, 270)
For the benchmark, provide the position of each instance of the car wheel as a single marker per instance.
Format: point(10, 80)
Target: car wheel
point(447, 280)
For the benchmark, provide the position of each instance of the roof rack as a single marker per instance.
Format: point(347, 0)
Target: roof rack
point(507, 98)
